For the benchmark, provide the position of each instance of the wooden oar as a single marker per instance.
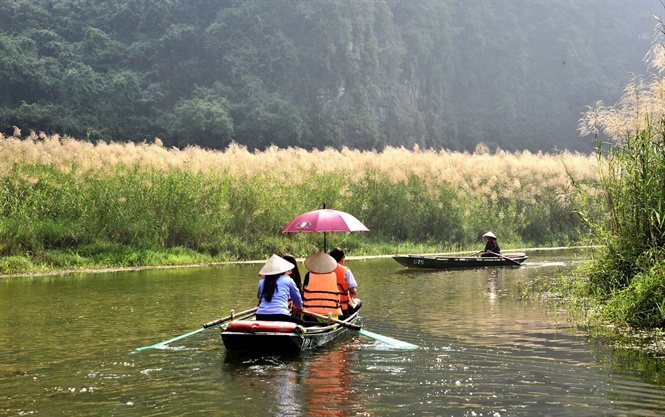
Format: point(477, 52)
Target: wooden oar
point(233, 315)
point(208, 325)
point(505, 257)
point(356, 328)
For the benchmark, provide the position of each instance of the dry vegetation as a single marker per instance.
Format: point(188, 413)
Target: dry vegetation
point(483, 174)
point(58, 193)
point(627, 277)
point(641, 108)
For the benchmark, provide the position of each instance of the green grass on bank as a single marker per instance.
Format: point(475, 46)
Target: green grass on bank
point(117, 256)
point(67, 204)
point(107, 256)
point(621, 289)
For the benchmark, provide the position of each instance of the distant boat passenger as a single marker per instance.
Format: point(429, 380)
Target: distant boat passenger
point(492, 246)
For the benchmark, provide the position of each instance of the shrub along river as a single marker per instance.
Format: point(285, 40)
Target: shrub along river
point(68, 342)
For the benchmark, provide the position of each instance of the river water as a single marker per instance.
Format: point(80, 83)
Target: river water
point(67, 347)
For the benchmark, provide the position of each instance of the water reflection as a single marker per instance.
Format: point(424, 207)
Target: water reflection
point(328, 384)
point(493, 289)
point(67, 348)
point(318, 383)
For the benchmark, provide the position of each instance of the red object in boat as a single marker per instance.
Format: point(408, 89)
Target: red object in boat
point(260, 326)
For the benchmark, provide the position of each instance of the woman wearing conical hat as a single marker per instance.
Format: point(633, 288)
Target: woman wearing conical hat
point(275, 290)
point(492, 246)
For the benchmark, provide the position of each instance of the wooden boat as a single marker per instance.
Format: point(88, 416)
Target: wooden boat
point(279, 336)
point(455, 262)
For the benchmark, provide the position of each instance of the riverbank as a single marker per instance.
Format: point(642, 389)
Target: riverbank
point(92, 270)
point(570, 292)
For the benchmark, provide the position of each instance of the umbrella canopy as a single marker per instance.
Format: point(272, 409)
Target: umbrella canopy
point(325, 220)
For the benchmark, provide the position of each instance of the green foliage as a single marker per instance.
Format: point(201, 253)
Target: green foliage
point(360, 74)
point(629, 269)
point(262, 119)
point(552, 218)
point(48, 116)
point(16, 265)
point(409, 210)
point(204, 120)
point(641, 304)
point(146, 216)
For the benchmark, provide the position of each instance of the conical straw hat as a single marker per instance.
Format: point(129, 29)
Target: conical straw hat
point(276, 265)
point(320, 263)
point(489, 234)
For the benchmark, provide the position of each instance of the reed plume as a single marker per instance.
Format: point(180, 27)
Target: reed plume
point(234, 201)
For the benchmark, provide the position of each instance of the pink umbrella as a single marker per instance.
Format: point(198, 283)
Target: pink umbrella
point(325, 220)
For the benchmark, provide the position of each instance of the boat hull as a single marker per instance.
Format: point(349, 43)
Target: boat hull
point(459, 262)
point(284, 342)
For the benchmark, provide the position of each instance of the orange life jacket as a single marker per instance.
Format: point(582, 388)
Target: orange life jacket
point(342, 286)
point(320, 294)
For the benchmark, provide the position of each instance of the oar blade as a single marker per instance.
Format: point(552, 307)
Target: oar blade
point(241, 315)
point(388, 340)
point(166, 342)
point(385, 339)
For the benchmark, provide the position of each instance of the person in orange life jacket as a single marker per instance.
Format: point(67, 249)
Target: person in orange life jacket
point(320, 293)
point(492, 245)
point(275, 289)
point(346, 283)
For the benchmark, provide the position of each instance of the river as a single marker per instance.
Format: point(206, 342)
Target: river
point(67, 347)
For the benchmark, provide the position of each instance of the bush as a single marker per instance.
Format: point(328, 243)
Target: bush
point(642, 303)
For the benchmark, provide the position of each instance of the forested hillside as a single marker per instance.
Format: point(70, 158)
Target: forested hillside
point(300, 73)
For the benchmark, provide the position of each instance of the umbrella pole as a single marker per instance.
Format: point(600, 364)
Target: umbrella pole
point(325, 244)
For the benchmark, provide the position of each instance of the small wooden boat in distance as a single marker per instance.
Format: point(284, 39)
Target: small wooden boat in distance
point(458, 262)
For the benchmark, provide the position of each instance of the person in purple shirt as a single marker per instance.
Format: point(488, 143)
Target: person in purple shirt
point(492, 245)
point(275, 290)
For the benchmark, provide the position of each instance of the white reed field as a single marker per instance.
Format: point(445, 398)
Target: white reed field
point(59, 193)
point(481, 174)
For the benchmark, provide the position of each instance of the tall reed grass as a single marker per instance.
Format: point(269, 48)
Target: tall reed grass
point(58, 193)
point(628, 275)
point(628, 272)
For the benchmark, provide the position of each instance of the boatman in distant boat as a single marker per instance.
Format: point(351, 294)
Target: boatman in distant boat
point(346, 284)
point(492, 246)
point(275, 290)
point(320, 292)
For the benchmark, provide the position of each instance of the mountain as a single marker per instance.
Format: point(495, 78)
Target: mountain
point(329, 73)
